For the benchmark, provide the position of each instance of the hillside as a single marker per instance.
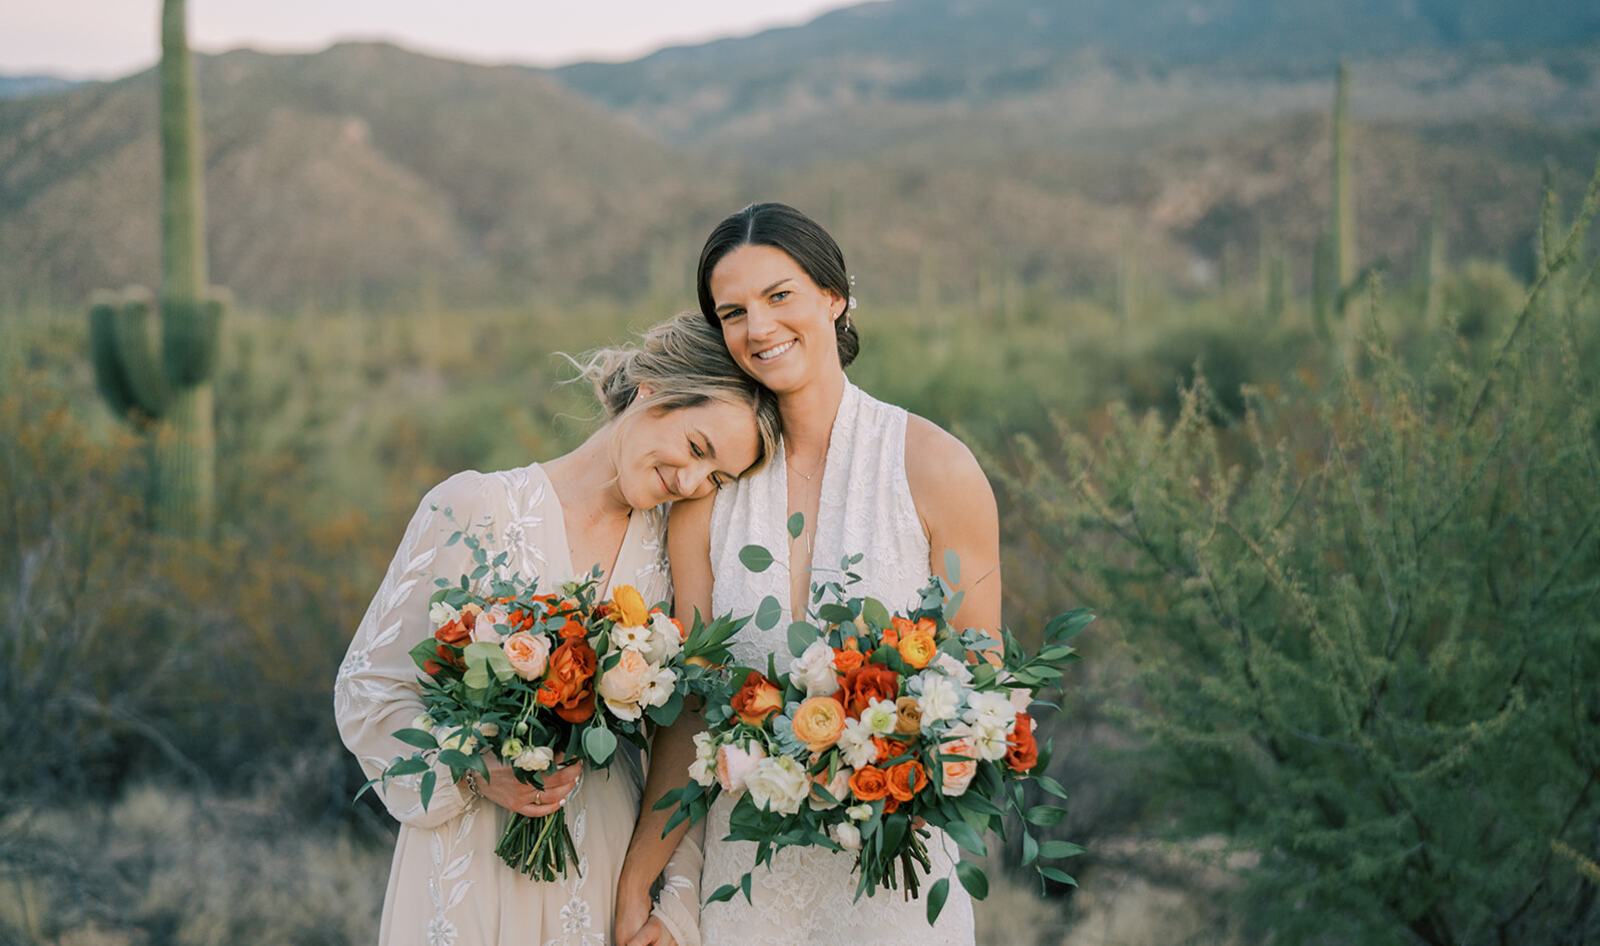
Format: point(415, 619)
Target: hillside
point(370, 176)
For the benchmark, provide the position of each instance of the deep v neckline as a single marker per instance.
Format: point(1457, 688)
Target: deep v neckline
point(833, 468)
point(603, 591)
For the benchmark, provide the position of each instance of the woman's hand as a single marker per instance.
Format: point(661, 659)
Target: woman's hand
point(633, 919)
point(654, 933)
point(503, 788)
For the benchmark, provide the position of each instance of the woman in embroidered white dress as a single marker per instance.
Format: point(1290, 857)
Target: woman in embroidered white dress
point(869, 478)
point(683, 420)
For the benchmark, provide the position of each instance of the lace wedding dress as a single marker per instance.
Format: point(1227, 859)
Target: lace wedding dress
point(446, 886)
point(807, 898)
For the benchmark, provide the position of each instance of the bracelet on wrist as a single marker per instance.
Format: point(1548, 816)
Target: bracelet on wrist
point(471, 779)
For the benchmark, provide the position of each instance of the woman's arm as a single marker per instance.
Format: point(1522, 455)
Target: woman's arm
point(689, 545)
point(377, 693)
point(958, 512)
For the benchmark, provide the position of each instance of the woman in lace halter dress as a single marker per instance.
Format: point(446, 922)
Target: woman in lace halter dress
point(681, 424)
point(869, 478)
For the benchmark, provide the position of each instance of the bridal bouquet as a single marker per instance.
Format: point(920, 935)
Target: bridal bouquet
point(543, 680)
point(883, 724)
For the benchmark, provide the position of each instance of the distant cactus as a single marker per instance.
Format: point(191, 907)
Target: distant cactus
point(159, 378)
point(1343, 221)
point(1432, 254)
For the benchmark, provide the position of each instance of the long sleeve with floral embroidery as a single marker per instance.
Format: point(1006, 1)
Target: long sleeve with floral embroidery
point(446, 886)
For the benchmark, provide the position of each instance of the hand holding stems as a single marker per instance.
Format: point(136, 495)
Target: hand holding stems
point(504, 789)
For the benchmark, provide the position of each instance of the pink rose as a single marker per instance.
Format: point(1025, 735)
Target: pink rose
point(734, 765)
point(623, 685)
point(527, 654)
point(483, 631)
point(958, 775)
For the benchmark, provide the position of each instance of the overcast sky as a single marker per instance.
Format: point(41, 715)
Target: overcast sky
point(104, 38)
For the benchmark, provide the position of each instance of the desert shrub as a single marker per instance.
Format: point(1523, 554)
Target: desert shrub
point(1364, 626)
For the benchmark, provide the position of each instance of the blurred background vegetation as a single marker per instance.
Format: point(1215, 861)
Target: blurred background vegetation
point(1336, 508)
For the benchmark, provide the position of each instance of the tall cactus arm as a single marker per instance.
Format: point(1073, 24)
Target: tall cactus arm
point(183, 249)
point(190, 338)
point(123, 350)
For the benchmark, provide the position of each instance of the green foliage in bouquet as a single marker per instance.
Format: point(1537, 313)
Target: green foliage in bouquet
point(919, 770)
point(1366, 628)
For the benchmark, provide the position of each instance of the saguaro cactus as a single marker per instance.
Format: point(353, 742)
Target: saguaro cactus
point(1344, 213)
point(159, 377)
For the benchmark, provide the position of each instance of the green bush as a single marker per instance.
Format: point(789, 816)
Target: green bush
point(1365, 627)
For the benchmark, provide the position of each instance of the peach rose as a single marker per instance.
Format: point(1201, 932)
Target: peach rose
point(528, 654)
point(757, 699)
point(623, 685)
point(630, 607)
point(819, 722)
point(735, 764)
point(958, 775)
point(838, 786)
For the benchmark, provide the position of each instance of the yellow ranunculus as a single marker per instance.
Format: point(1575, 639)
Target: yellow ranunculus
point(631, 610)
point(917, 648)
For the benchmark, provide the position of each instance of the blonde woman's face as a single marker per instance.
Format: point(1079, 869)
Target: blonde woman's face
point(664, 456)
point(777, 323)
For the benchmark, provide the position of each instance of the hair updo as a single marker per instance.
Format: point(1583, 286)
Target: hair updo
point(684, 363)
point(806, 242)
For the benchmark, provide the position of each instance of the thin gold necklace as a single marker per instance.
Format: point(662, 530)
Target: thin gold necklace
point(806, 476)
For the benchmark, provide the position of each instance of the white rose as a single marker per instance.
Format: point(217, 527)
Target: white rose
point(880, 716)
point(779, 783)
point(536, 759)
point(816, 670)
point(487, 730)
point(855, 744)
point(940, 699)
point(847, 835)
point(859, 812)
point(953, 667)
point(988, 742)
point(991, 710)
point(441, 614)
point(664, 641)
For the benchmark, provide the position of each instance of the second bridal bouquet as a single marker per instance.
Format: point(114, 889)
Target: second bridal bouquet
point(544, 680)
point(882, 725)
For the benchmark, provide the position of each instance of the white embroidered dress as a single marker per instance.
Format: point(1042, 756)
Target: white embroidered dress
point(806, 899)
point(446, 886)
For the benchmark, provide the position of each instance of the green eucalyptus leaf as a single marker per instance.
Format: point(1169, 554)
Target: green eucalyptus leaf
point(768, 613)
point(797, 522)
point(801, 636)
point(875, 613)
point(952, 566)
point(756, 558)
point(937, 895)
point(599, 742)
point(972, 878)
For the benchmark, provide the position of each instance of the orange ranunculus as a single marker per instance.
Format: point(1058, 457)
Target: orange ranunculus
point(869, 783)
point(898, 628)
point(818, 722)
point(568, 684)
point(1024, 752)
point(631, 609)
point(757, 699)
point(906, 779)
point(867, 683)
point(889, 748)
point(573, 630)
point(917, 647)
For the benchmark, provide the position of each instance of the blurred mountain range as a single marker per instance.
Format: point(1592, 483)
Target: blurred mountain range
point(954, 147)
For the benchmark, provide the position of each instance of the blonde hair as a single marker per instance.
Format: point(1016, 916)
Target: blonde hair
point(684, 363)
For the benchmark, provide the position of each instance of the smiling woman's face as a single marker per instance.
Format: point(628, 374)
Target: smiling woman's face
point(667, 455)
point(777, 323)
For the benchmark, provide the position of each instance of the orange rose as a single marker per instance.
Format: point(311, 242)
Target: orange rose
point(819, 722)
point(631, 610)
point(847, 659)
point(889, 748)
point(574, 630)
point(867, 683)
point(457, 632)
point(757, 699)
point(898, 628)
point(568, 685)
point(906, 779)
point(917, 647)
point(683, 633)
point(1024, 752)
point(869, 783)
